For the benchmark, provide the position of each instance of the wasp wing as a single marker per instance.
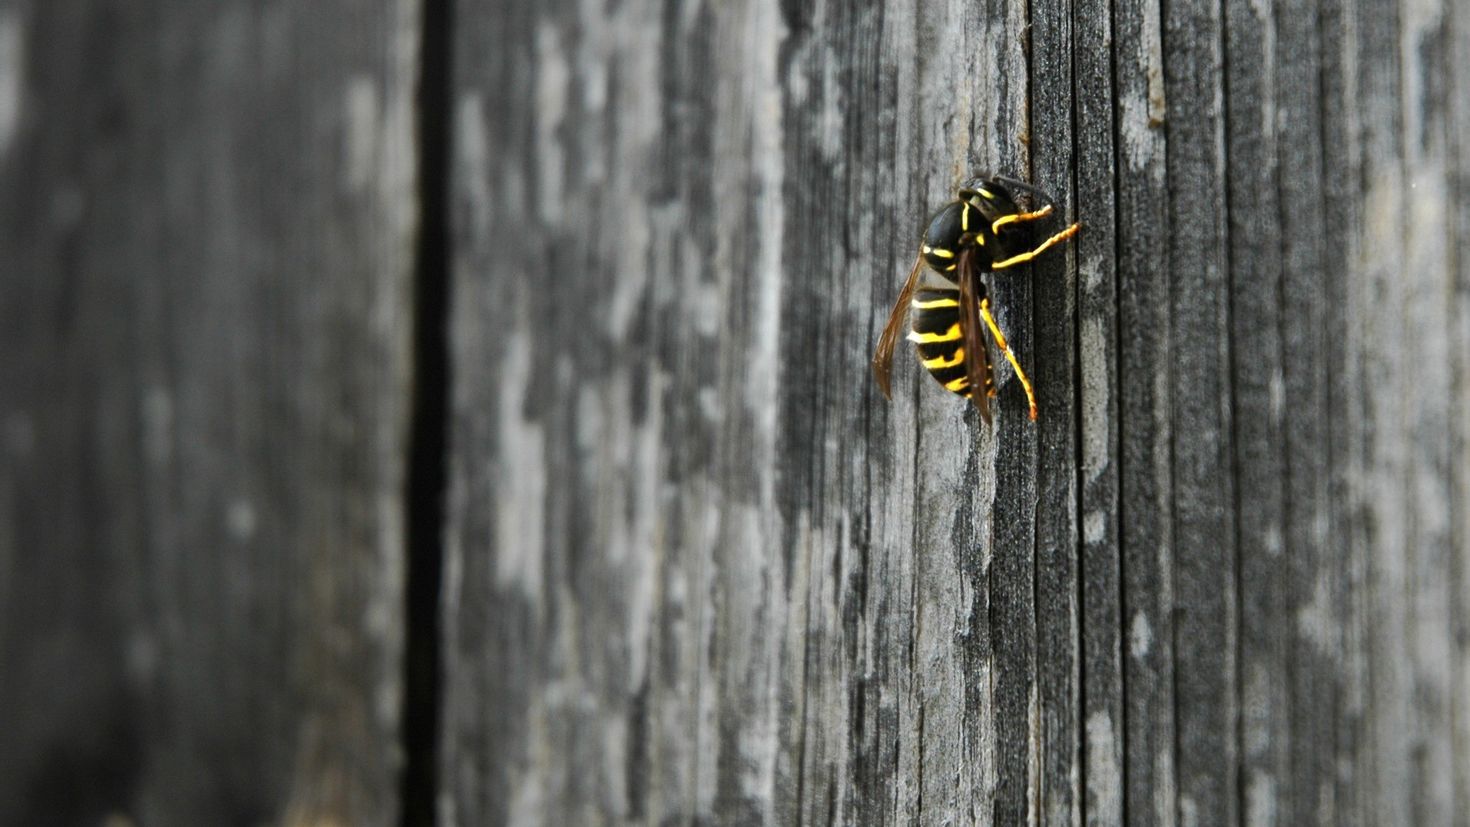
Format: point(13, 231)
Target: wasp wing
point(977, 357)
point(883, 355)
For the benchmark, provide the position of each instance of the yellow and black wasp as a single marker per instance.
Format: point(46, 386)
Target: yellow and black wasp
point(980, 232)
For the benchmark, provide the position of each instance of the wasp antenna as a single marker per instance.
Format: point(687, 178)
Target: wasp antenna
point(1022, 185)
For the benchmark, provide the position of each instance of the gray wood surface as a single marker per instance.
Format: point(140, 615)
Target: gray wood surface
point(691, 568)
point(206, 223)
point(700, 571)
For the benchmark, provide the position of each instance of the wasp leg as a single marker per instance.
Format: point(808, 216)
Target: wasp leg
point(1020, 216)
point(1000, 342)
point(1045, 245)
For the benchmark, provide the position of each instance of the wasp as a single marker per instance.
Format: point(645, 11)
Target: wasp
point(981, 231)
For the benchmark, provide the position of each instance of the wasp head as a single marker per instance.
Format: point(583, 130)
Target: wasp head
point(990, 197)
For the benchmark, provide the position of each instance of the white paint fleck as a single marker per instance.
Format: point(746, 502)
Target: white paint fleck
point(594, 82)
point(830, 121)
point(709, 405)
point(797, 88)
point(766, 29)
point(1188, 812)
point(1164, 787)
point(12, 86)
point(1321, 527)
point(528, 804)
point(644, 534)
point(703, 305)
point(1140, 636)
point(387, 702)
point(1273, 540)
point(1094, 527)
point(1092, 272)
point(398, 179)
point(553, 89)
point(240, 520)
point(1142, 111)
point(1314, 619)
point(1276, 393)
point(1133, 129)
point(639, 95)
point(1260, 799)
point(631, 286)
point(20, 434)
point(1102, 768)
point(381, 614)
point(472, 145)
point(363, 131)
point(521, 479)
point(1095, 398)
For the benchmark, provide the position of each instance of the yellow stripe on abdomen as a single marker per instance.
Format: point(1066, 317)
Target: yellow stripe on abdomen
point(940, 362)
point(933, 303)
point(947, 336)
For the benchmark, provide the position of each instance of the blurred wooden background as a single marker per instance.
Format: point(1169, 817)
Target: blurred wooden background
point(439, 411)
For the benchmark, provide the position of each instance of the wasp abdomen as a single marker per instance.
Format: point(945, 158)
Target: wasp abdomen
point(935, 319)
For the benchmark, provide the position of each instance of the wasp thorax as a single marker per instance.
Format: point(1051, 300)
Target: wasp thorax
point(955, 225)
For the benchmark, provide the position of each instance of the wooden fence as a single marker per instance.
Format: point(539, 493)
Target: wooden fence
point(452, 412)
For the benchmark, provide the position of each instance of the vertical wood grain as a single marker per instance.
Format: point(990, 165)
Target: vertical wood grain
point(1055, 366)
point(1424, 421)
point(1457, 117)
point(1342, 153)
point(1145, 449)
point(1205, 612)
point(1098, 363)
point(1313, 575)
point(1260, 403)
point(695, 568)
point(731, 195)
point(206, 217)
point(1378, 313)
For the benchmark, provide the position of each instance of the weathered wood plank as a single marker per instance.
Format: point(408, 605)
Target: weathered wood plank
point(1377, 314)
point(844, 582)
point(697, 570)
point(1101, 621)
point(1055, 365)
point(1260, 404)
point(1313, 529)
point(624, 483)
point(1144, 359)
point(206, 219)
point(1205, 610)
point(1000, 88)
point(1427, 413)
point(1342, 153)
point(1457, 52)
